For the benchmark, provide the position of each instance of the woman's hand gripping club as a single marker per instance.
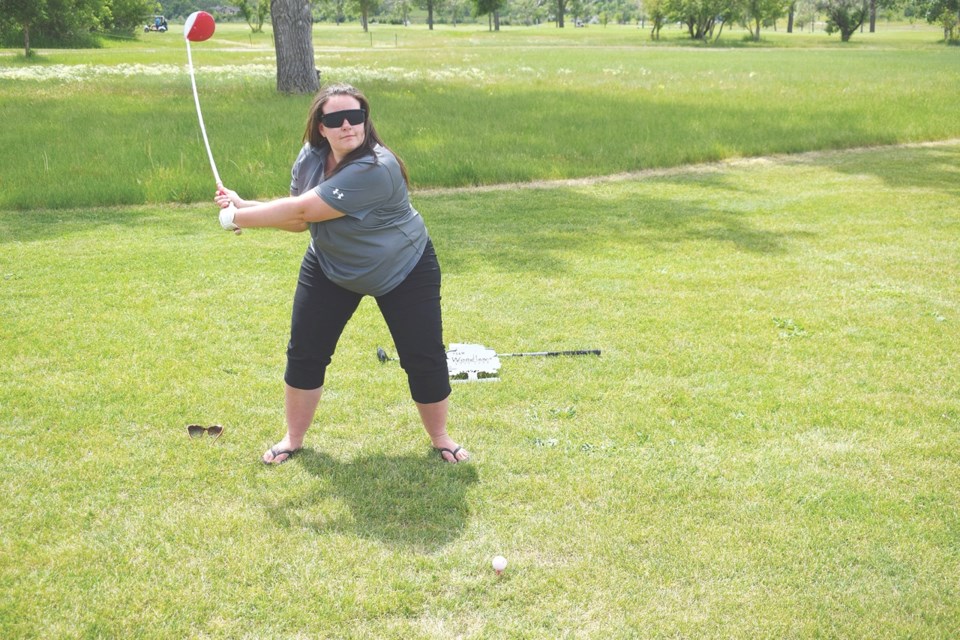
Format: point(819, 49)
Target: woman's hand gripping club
point(226, 199)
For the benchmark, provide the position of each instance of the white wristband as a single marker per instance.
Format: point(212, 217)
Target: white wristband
point(226, 218)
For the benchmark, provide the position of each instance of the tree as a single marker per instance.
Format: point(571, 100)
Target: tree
point(527, 12)
point(656, 11)
point(844, 16)
point(335, 10)
point(430, 6)
point(254, 12)
point(126, 16)
point(941, 12)
point(576, 9)
point(949, 22)
point(23, 14)
point(805, 13)
point(620, 11)
point(561, 9)
point(700, 16)
point(54, 23)
point(366, 8)
point(457, 9)
point(293, 41)
point(490, 8)
point(401, 11)
point(69, 23)
point(757, 12)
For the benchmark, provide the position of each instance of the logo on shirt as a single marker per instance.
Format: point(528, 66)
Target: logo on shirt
point(338, 194)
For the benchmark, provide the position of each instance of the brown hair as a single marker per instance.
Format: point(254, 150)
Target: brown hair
point(370, 137)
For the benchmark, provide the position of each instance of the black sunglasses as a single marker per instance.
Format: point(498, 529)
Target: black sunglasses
point(335, 119)
point(196, 431)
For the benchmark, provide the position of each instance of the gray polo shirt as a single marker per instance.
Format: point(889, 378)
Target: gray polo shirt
point(381, 237)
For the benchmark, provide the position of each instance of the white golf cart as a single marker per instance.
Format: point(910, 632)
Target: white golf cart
point(159, 24)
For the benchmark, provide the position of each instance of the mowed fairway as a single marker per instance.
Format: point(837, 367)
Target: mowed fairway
point(768, 447)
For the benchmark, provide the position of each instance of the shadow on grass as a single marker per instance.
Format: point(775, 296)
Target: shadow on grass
point(410, 501)
point(930, 168)
point(554, 226)
point(63, 224)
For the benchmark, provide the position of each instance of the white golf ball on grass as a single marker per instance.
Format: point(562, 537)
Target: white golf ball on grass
point(499, 564)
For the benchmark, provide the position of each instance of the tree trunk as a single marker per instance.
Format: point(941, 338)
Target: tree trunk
point(873, 16)
point(793, 9)
point(26, 39)
point(430, 15)
point(293, 41)
point(561, 9)
point(721, 31)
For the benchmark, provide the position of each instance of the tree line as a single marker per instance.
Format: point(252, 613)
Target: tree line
point(69, 23)
point(79, 23)
point(705, 19)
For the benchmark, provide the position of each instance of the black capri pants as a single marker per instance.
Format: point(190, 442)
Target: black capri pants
point(411, 310)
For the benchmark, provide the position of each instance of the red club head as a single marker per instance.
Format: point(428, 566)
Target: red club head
point(199, 26)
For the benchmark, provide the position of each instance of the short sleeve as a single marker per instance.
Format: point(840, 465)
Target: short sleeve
point(295, 189)
point(358, 188)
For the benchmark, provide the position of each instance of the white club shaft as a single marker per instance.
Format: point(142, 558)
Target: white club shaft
point(203, 129)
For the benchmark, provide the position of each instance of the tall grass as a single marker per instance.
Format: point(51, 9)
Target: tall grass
point(463, 108)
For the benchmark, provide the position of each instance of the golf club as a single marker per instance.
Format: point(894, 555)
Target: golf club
point(198, 27)
point(477, 363)
point(383, 357)
point(577, 352)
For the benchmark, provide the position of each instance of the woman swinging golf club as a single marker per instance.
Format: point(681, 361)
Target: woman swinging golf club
point(350, 191)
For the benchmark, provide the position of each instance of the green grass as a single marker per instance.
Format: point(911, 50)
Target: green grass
point(462, 106)
point(768, 446)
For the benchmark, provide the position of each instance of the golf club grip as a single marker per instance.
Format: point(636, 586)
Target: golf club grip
point(222, 191)
point(578, 352)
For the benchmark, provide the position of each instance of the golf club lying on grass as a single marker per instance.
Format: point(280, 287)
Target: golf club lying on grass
point(576, 352)
point(476, 362)
point(198, 27)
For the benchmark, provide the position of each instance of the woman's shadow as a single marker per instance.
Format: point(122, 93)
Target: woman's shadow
point(414, 501)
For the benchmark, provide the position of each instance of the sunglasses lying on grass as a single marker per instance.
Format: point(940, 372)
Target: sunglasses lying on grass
point(196, 431)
